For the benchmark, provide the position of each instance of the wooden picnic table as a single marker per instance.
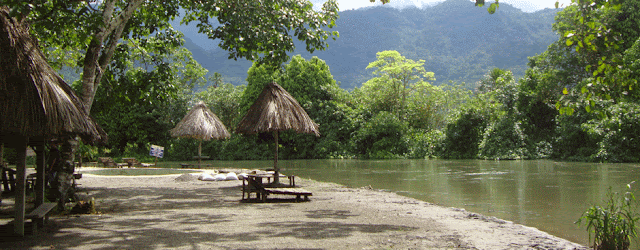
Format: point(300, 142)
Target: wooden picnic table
point(260, 177)
point(130, 161)
point(254, 184)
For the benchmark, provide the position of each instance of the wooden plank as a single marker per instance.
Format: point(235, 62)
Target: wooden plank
point(298, 192)
point(41, 210)
point(288, 191)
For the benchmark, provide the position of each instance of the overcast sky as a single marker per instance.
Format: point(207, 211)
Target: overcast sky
point(525, 5)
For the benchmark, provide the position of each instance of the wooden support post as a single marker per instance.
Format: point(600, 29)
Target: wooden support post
point(40, 176)
point(21, 152)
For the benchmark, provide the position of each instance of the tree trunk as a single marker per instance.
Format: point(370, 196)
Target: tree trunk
point(98, 56)
point(89, 78)
point(64, 172)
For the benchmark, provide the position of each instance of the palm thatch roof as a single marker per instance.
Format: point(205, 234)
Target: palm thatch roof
point(276, 110)
point(34, 99)
point(200, 123)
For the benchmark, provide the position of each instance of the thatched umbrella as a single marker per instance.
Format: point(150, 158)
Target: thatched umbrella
point(202, 124)
point(35, 105)
point(276, 110)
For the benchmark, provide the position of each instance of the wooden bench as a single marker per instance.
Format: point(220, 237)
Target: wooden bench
point(39, 213)
point(108, 162)
point(298, 192)
point(189, 165)
point(263, 192)
point(134, 162)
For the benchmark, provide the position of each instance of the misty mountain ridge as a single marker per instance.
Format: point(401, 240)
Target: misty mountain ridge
point(458, 41)
point(524, 5)
point(398, 4)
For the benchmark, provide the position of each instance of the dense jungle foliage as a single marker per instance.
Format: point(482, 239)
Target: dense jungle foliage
point(578, 101)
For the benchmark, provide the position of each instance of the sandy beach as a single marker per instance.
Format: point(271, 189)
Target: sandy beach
point(182, 212)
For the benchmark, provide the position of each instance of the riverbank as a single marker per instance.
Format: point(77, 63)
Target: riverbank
point(182, 212)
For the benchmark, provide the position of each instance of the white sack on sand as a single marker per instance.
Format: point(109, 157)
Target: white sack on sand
point(206, 177)
point(220, 177)
point(231, 176)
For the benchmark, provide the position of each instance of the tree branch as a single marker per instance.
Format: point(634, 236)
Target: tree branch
point(95, 59)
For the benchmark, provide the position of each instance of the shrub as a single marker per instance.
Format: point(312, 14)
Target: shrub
point(614, 225)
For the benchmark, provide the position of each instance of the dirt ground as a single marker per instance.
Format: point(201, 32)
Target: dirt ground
point(181, 212)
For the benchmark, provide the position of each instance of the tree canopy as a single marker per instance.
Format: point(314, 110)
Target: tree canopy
point(87, 33)
point(605, 36)
point(396, 77)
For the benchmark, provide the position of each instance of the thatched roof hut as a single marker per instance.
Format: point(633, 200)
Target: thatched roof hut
point(34, 99)
point(200, 123)
point(35, 105)
point(276, 110)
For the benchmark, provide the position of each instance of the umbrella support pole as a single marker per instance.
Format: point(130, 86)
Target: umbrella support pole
point(276, 175)
point(200, 154)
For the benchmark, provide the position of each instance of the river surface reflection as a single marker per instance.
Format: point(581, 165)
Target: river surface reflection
point(544, 194)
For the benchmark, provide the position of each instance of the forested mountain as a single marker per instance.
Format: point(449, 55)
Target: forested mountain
point(458, 41)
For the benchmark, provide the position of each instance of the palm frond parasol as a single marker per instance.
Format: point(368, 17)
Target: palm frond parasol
point(276, 110)
point(202, 124)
